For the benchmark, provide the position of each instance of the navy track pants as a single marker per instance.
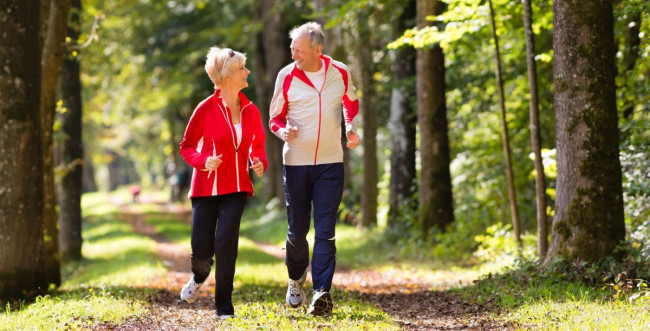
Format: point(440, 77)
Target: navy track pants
point(322, 186)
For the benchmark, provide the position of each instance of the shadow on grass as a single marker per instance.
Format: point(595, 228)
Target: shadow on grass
point(255, 256)
point(173, 229)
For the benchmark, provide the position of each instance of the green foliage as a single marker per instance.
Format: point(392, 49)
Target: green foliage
point(143, 74)
point(498, 246)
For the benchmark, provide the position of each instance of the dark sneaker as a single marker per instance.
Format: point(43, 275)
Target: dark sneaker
point(321, 304)
point(295, 294)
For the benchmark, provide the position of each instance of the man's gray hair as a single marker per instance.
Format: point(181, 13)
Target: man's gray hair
point(311, 29)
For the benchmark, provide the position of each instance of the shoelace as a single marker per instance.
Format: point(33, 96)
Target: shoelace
point(294, 287)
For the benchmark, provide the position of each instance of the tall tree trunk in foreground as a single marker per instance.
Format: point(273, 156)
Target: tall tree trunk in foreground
point(589, 220)
point(21, 167)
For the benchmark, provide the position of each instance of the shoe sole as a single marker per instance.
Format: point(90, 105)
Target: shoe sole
point(321, 308)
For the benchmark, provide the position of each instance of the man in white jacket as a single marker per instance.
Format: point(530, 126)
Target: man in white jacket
point(310, 97)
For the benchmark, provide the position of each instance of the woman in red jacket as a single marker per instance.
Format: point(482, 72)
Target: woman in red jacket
point(223, 135)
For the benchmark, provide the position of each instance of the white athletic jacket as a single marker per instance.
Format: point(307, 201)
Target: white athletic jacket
point(316, 113)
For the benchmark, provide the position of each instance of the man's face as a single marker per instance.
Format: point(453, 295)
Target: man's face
point(307, 58)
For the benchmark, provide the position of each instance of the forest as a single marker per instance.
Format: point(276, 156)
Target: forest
point(502, 180)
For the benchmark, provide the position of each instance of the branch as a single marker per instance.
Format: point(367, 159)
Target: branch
point(93, 34)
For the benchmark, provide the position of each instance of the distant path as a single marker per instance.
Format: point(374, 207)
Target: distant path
point(406, 295)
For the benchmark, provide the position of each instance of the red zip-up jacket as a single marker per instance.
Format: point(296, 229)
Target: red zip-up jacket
point(210, 132)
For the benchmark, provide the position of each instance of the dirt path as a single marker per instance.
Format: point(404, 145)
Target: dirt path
point(405, 295)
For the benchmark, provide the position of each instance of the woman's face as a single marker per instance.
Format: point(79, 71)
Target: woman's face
point(239, 78)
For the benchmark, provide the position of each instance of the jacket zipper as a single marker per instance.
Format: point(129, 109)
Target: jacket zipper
point(320, 112)
point(233, 132)
point(241, 122)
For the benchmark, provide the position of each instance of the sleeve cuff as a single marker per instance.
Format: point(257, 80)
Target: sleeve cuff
point(350, 127)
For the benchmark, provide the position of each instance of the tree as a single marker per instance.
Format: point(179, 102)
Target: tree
point(540, 180)
point(589, 221)
point(403, 121)
point(514, 209)
point(71, 167)
point(369, 121)
point(53, 51)
point(275, 43)
point(435, 195)
point(21, 167)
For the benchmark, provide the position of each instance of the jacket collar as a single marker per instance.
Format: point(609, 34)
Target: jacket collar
point(243, 100)
point(303, 77)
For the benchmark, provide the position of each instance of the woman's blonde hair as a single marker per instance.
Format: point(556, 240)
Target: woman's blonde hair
point(221, 63)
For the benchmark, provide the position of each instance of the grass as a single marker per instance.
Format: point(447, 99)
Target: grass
point(583, 313)
point(260, 282)
point(100, 288)
point(543, 300)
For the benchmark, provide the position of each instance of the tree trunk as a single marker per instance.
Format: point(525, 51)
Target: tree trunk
point(21, 167)
point(402, 125)
point(276, 55)
point(88, 182)
point(53, 52)
point(631, 54)
point(435, 194)
point(512, 194)
point(70, 187)
point(540, 180)
point(366, 69)
point(589, 220)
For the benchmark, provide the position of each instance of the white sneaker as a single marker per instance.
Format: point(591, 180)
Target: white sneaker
point(295, 294)
point(226, 317)
point(190, 291)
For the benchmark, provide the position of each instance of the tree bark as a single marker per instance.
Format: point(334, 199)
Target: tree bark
point(275, 43)
point(589, 220)
point(88, 182)
point(53, 52)
point(21, 168)
point(540, 180)
point(435, 193)
point(70, 187)
point(402, 125)
point(366, 69)
point(512, 194)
